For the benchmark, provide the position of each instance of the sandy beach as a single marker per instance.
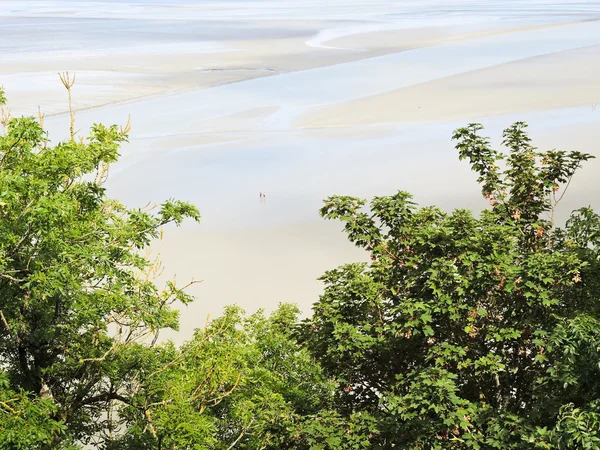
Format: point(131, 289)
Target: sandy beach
point(121, 56)
point(301, 99)
point(551, 81)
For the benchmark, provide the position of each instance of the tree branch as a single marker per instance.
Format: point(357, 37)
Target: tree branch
point(244, 431)
point(104, 397)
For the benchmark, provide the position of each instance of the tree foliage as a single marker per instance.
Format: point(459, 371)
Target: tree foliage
point(464, 331)
point(74, 297)
point(240, 382)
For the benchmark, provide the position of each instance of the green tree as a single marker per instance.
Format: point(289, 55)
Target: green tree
point(241, 382)
point(74, 302)
point(463, 331)
point(80, 316)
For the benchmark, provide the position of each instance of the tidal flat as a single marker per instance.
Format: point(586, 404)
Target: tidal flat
point(301, 100)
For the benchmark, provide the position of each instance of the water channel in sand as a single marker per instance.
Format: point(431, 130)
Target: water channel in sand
point(285, 64)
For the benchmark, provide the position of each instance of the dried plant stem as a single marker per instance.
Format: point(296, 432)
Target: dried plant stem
point(5, 117)
point(68, 83)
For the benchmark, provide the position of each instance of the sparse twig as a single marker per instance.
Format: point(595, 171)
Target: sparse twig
point(5, 404)
point(5, 116)
point(150, 425)
point(68, 83)
point(127, 128)
point(41, 116)
point(4, 321)
point(103, 357)
point(244, 431)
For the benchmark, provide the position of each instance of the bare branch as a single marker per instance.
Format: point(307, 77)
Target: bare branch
point(68, 83)
point(244, 431)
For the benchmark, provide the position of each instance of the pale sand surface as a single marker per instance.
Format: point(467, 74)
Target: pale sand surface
point(557, 80)
point(301, 99)
point(109, 76)
point(252, 268)
point(425, 36)
point(119, 58)
point(127, 75)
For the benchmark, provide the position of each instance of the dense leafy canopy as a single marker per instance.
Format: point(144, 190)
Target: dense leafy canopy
point(240, 382)
point(463, 332)
point(73, 295)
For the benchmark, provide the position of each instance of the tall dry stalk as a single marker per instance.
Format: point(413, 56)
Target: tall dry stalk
point(68, 83)
point(41, 116)
point(125, 130)
point(5, 113)
point(5, 117)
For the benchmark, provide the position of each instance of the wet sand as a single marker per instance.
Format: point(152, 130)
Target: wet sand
point(552, 81)
point(125, 51)
point(301, 99)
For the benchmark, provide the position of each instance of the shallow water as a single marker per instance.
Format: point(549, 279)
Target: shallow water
point(50, 28)
point(296, 168)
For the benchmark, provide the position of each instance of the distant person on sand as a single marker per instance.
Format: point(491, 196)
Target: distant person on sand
point(594, 106)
